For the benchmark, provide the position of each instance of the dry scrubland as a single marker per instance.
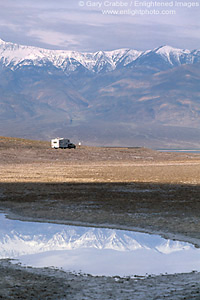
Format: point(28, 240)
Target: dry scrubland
point(117, 187)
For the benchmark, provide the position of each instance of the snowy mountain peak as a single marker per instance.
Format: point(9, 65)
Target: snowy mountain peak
point(174, 56)
point(167, 50)
point(2, 41)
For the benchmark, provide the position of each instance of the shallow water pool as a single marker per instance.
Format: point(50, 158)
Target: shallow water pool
point(97, 251)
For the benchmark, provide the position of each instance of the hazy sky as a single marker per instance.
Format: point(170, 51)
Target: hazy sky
point(101, 25)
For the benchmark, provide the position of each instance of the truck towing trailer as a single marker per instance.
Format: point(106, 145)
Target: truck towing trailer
point(62, 143)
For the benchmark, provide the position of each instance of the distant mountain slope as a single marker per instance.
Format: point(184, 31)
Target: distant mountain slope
point(168, 97)
point(150, 98)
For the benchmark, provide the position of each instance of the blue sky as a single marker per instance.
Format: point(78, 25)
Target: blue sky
point(81, 25)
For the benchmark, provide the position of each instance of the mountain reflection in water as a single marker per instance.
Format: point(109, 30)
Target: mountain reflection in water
point(98, 251)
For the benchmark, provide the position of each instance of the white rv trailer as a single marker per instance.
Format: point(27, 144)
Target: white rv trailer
point(61, 143)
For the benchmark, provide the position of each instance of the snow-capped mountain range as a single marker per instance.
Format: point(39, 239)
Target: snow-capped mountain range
point(15, 56)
